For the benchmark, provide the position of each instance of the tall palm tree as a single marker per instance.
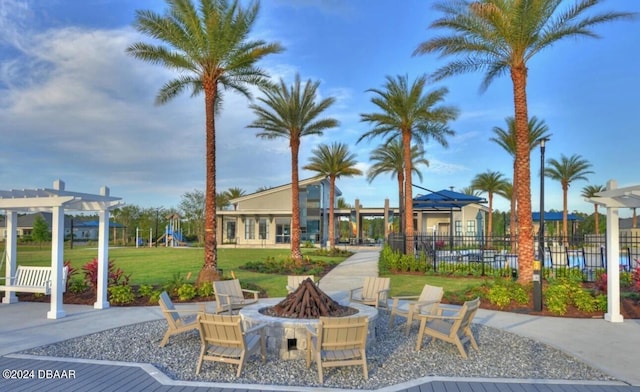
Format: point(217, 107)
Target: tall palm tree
point(407, 112)
point(389, 158)
point(492, 182)
point(469, 190)
point(499, 37)
point(506, 138)
point(590, 191)
point(566, 171)
point(291, 113)
point(333, 161)
point(209, 47)
point(234, 193)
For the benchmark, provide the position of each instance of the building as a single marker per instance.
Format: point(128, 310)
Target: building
point(264, 218)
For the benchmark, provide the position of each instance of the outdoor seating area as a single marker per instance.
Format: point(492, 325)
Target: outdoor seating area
point(29, 279)
point(178, 321)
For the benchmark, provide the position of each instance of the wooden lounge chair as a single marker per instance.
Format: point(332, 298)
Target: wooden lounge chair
point(223, 340)
point(412, 305)
point(338, 341)
point(293, 281)
point(230, 296)
point(374, 291)
point(178, 321)
point(454, 328)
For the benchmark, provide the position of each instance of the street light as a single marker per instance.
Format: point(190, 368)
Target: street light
point(537, 275)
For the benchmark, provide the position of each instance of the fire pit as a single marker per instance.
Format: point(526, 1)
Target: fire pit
point(287, 319)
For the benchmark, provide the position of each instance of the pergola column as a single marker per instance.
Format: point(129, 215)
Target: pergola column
point(57, 263)
point(613, 263)
point(103, 260)
point(10, 247)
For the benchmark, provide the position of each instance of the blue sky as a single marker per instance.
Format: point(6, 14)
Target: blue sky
point(74, 106)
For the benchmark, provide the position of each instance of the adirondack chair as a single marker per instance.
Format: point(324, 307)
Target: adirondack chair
point(454, 328)
point(338, 341)
point(374, 291)
point(178, 321)
point(293, 281)
point(230, 296)
point(224, 340)
point(413, 305)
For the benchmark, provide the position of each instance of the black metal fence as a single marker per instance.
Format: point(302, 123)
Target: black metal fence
point(497, 255)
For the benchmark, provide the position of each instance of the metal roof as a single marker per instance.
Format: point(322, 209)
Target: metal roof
point(445, 200)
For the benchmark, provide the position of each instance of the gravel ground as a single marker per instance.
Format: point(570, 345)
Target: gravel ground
point(391, 359)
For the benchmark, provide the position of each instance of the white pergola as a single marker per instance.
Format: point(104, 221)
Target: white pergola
point(57, 201)
point(613, 199)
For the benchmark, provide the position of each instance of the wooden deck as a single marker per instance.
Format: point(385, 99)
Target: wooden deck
point(103, 376)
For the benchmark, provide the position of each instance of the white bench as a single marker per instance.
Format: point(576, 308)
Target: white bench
point(29, 279)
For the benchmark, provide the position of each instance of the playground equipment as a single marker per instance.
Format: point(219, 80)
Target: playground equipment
point(172, 235)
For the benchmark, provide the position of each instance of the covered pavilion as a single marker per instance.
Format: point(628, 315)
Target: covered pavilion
point(57, 200)
point(614, 198)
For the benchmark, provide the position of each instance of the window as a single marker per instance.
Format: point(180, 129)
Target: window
point(231, 230)
point(283, 231)
point(471, 227)
point(458, 228)
point(263, 229)
point(249, 229)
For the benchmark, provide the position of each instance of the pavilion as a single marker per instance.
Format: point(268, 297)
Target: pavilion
point(58, 200)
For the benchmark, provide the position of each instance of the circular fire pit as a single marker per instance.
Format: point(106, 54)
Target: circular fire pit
point(288, 336)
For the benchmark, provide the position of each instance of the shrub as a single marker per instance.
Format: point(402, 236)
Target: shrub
point(116, 276)
point(145, 290)
point(503, 291)
point(174, 284)
point(121, 294)
point(205, 289)
point(77, 286)
point(186, 292)
point(154, 298)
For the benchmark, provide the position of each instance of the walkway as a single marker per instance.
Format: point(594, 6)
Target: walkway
point(614, 348)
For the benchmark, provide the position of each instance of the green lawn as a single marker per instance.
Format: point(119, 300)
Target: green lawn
point(158, 266)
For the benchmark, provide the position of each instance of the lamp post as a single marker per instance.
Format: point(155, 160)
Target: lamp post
point(537, 275)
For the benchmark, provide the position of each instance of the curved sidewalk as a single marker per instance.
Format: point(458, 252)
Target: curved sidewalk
point(613, 348)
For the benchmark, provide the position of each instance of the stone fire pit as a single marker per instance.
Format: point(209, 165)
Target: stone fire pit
point(287, 335)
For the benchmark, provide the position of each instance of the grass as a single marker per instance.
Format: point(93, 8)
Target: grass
point(158, 266)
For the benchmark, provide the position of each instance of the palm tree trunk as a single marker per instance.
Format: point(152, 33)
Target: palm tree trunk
point(408, 193)
point(595, 217)
point(209, 271)
point(296, 254)
point(332, 194)
point(401, 201)
point(565, 231)
point(514, 208)
point(523, 174)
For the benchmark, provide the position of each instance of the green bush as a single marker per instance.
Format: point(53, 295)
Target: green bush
point(154, 298)
point(77, 286)
point(186, 292)
point(503, 291)
point(205, 289)
point(121, 295)
point(145, 290)
point(556, 298)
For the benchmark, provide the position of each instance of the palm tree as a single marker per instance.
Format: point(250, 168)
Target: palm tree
point(389, 158)
point(333, 161)
point(506, 138)
point(291, 113)
point(469, 190)
point(499, 37)
point(491, 182)
point(567, 170)
point(210, 49)
point(590, 191)
point(234, 193)
point(343, 204)
point(407, 112)
point(222, 200)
